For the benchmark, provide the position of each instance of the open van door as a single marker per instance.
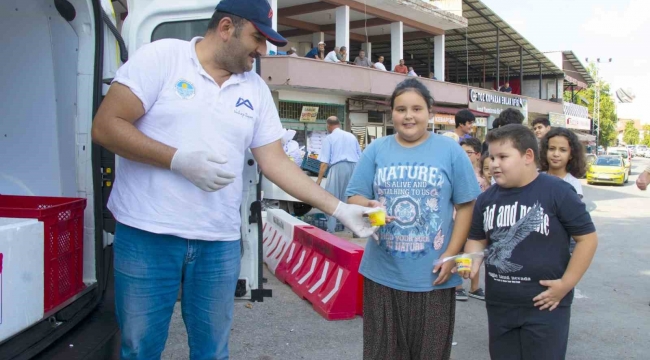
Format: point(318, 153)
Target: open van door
point(58, 53)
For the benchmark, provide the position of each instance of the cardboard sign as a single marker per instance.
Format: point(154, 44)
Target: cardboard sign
point(309, 114)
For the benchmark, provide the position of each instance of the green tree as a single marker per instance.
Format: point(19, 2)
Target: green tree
point(608, 118)
point(646, 135)
point(630, 134)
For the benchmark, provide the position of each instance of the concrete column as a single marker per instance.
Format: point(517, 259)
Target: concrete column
point(521, 70)
point(498, 62)
point(396, 44)
point(439, 57)
point(343, 28)
point(316, 38)
point(540, 81)
point(367, 47)
point(270, 48)
point(303, 48)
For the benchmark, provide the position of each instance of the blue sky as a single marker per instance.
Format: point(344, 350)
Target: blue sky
point(591, 28)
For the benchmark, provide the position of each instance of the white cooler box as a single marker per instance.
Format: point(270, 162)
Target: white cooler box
point(21, 275)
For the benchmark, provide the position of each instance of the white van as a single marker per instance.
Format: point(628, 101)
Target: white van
point(58, 57)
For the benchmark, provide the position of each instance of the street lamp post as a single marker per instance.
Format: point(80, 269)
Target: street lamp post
point(596, 112)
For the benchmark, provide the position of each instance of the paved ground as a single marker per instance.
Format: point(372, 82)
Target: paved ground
point(610, 320)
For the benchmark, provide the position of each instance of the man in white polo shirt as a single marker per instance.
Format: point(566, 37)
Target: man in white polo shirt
point(181, 116)
point(340, 152)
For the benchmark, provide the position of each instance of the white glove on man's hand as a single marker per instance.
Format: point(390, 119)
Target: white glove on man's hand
point(352, 217)
point(202, 169)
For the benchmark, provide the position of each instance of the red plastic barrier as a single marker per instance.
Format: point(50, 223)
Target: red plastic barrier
point(324, 269)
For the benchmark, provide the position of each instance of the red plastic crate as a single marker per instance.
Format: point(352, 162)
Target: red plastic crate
point(63, 222)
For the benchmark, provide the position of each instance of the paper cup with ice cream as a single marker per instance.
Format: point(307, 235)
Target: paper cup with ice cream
point(464, 264)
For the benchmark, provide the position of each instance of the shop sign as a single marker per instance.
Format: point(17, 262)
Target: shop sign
point(494, 103)
point(578, 123)
point(481, 122)
point(443, 119)
point(309, 114)
point(557, 120)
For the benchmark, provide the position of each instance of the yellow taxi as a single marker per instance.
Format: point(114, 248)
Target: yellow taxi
point(608, 169)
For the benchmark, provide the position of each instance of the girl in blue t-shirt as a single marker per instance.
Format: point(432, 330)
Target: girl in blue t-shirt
point(419, 178)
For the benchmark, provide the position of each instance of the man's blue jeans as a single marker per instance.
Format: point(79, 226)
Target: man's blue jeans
point(149, 269)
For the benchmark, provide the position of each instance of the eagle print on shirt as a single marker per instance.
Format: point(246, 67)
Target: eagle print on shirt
point(504, 240)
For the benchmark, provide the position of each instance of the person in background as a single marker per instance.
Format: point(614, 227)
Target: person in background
point(163, 119)
point(506, 117)
point(464, 123)
point(408, 304)
point(340, 153)
point(562, 155)
point(401, 68)
point(432, 76)
point(541, 126)
point(336, 55)
point(379, 65)
point(506, 88)
point(362, 60)
point(292, 52)
point(485, 167)
point(411, 71)
point(452, 135)
point(472, 147)
point(530, 274)
point(317, 53)
point(643, 179)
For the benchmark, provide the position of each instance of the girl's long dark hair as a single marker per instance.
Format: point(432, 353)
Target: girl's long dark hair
point(577, 165)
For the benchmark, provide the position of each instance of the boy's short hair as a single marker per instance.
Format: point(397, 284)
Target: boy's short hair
point(463, 116)
point(541, 120)
point(474, 143)
point(521, 137)
point(507, 117)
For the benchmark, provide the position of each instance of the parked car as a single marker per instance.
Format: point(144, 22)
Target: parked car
point(639, 150)
point(646, 153)
point(608, 169)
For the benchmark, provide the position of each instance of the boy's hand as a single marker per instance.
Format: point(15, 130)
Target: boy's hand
point(550, 299)
point(443, 270)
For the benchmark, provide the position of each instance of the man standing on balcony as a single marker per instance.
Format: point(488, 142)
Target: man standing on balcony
point(336, 55)
point(506, 88)
point(401, 68)
point(318, 52)
point(362, 60)
point(379, 65)
point(340, 152)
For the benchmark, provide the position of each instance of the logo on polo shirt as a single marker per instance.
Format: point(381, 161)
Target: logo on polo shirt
point(185, 89)
point(245, 102)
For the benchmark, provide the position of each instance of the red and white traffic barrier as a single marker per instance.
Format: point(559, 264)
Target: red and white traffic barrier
point(278, 232)
point(324, 269)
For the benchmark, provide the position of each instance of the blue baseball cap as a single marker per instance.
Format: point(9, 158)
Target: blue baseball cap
point(258, 12)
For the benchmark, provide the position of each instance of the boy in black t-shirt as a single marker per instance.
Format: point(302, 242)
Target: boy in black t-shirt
point(525, 222)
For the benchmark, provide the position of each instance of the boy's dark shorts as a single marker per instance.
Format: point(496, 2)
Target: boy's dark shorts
point(527, 333)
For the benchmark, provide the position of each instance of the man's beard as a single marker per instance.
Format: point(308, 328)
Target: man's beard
point(235, 60)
